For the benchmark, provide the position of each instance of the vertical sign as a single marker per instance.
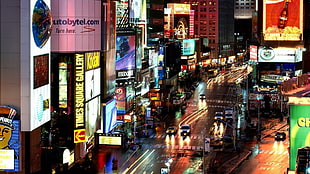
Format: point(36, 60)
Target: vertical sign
point(299, 130)
point(79, 94)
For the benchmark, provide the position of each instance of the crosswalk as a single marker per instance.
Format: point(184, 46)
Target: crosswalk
point(275, 152)
point(172, 147)
point(163, 136)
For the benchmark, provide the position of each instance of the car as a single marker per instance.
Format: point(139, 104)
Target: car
point(280, 136)
point(229, 113)
point(171, 130)
point(202, 96)
point(218, 116)
point(185, 130)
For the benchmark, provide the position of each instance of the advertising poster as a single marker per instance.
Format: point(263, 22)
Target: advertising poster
point(283, 20)
point(63, 85)
point(125, 52)
point(9, 139)
point(76, 25)
point(188, 47)
point(121, 10)
point(161, 63)
point(36, 103)
point(299, 130)
point(278, 55)
point(253, 53)
point(120, 95)
point(92, 75)
point(109, 114)
point(92, 116)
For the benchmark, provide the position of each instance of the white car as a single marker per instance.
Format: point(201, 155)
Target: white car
point(229, 113)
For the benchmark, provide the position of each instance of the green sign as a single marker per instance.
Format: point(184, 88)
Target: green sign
point(299, 130)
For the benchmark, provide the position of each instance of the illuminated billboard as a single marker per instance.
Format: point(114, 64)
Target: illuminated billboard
point(188, 47)
point(299, 130)
point(79, 91)
point(110, 139)
point(109, 115)
point(92, 75)
point(125, 52)
point(35, 71)
point(120, 95)
point(137, 11)
point(288, 55)
point(63, 85)
point(10, 141)
point(121, 11)
point(92, 116)
point(282, 20)
point(179, 8)
point(253, 53)
point(161, 63)
point(179, 19)
point(76, 25)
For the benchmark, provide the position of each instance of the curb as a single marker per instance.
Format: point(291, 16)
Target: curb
point(239, 162)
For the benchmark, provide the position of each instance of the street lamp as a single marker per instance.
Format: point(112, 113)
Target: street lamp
point(259, 98)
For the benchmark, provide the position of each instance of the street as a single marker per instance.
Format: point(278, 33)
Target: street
point(176, 154)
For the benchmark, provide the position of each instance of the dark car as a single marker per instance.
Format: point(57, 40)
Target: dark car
point(280, 136)
point(202, 96)
point(185, 130)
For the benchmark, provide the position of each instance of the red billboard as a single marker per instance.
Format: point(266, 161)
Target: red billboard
point(283, 20)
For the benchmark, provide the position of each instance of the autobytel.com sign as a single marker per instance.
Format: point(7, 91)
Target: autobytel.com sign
point(299, 130)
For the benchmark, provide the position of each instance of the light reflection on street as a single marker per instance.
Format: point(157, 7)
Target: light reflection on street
point(170, 141)
point(202, 104)
point(218, 130)
point(278, 146)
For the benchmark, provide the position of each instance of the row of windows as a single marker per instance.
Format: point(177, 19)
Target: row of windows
point(244, 4)
point(244, 8)
point(203, 3)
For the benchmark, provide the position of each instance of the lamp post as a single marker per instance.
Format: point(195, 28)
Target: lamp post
point(259, 98)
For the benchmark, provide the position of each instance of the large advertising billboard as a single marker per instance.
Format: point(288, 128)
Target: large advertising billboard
point(125, 52)
point(109, 113)
point(92, 75)
point(282, 20)
point(76, 25)
point(137, 11)
point(36, 95)
point(10, 141)
point(121, 10)
point(299, 130)
point(188, 47)
point(179, 19)
point(288, 55)
point(120, 95)
point(92, 117)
